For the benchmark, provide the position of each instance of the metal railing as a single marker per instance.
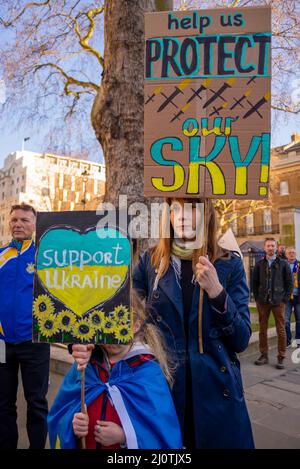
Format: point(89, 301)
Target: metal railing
point(258, 230)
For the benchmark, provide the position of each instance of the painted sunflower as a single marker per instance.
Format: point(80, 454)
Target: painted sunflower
point(109, 326)
point(42, 306)
point(49, 325)
point(83, 330)
point(121, 314)
point(123, 333)
point(96, 319)
point(106, 315)
point(66, 319)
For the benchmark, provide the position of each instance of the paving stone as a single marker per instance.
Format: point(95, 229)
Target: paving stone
point(265, 393)
point(284, 385)
point(266, 438)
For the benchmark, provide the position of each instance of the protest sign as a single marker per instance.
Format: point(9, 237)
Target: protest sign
point(82, 281)
point(207, 103)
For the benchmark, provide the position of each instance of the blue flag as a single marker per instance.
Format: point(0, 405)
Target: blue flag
point(140, 395)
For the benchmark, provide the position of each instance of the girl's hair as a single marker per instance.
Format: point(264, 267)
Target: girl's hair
point(149, 334)
point(160, 257)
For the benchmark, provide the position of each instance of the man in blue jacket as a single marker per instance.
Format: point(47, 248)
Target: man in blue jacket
point(16, 296)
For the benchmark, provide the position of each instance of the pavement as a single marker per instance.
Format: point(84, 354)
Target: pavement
point(273, 396)
point(273, 400)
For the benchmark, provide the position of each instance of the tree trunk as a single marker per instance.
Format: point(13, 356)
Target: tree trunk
point(118, 110)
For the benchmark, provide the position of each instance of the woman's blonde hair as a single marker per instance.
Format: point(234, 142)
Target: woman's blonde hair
point(149, 334)
point(160, 257)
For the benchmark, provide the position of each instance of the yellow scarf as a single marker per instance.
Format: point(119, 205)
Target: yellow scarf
point(182, 252)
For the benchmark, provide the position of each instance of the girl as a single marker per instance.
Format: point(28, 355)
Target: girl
point(207, 391)
point(127, 396)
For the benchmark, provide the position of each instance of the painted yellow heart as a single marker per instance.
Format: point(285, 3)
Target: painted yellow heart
point(82, 270)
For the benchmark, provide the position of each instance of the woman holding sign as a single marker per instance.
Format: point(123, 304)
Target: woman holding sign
point(208, 391)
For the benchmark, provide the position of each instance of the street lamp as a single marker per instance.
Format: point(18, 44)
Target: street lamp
point(84, 175)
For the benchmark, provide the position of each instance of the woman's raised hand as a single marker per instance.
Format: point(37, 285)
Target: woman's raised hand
point(207, 276)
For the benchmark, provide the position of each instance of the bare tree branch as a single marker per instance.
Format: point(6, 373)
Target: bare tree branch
point(84, 40)
point(69, 80)
point(7, 24)
point(286, 109)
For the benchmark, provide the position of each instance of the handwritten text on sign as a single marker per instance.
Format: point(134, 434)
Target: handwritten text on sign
point(207, 103)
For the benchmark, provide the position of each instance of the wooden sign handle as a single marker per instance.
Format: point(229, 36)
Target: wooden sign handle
point(200, 309)
point(83, 408)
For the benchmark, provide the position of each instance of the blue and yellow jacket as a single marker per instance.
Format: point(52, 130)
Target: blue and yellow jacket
point(16, 291)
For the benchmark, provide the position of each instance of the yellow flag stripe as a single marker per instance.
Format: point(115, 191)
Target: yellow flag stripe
point(7, 256)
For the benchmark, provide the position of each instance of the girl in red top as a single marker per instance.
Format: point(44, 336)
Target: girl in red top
point(101, 425)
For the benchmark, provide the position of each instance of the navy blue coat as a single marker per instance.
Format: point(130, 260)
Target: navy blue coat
point(220, 412)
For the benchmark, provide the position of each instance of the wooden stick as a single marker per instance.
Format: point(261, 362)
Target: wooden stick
point(200, 309)
point(83, 408)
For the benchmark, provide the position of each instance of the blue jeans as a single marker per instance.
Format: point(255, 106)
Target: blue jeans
point(291, 305)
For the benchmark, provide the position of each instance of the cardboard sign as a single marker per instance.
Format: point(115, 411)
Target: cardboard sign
point(82, 281)
point(207, 103)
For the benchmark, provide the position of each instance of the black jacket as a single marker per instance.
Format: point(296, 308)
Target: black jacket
point(273, 285)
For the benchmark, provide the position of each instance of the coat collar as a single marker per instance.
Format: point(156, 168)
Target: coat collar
point(169, 285)
point(21, 246)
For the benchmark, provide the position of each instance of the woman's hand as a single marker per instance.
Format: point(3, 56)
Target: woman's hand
point(207, 276)
point(82, 354)
point(81, 424)
point(109, 433)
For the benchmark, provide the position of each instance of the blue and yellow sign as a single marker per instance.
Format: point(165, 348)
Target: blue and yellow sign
point(82, 281)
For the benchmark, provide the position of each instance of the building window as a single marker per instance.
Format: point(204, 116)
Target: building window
point(234, 224)
point(250, 224)
point(298, 184)
point(95, 186)
point(284, 188)
point(61, 181)
point(267, 220)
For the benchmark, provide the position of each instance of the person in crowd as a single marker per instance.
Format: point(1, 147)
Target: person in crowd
point(272, 288)
point(281, 251)
point(20, 354)
point(128, 400)
point(203, 339)
point(293, 303)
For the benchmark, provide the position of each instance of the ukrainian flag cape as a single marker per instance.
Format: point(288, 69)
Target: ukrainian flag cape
point(141, 398)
